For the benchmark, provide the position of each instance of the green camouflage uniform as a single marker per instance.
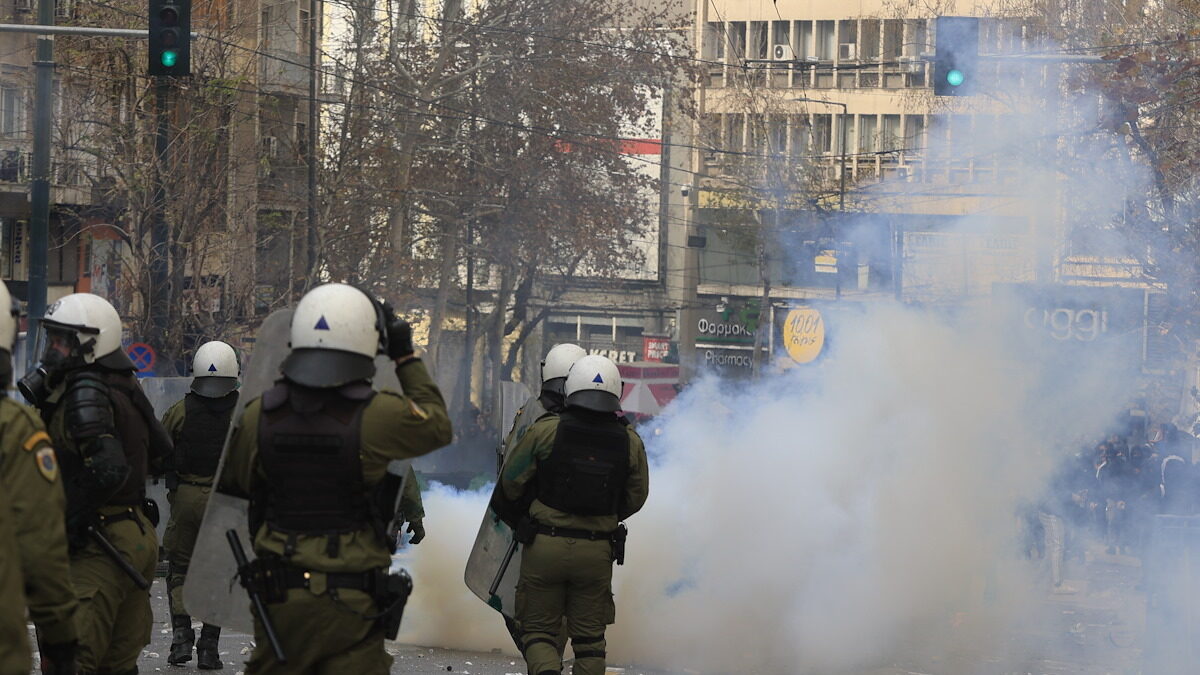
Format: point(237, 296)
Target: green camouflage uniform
point(562, 577)
point(323, 634)
point(33, 536)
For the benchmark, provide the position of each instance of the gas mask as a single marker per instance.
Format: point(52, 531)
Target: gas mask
point(61, 352)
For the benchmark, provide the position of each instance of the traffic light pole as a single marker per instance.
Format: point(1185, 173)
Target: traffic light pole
point(39, 189)
point(159, 247)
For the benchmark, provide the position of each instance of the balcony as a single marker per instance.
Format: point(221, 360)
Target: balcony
point(284, 72)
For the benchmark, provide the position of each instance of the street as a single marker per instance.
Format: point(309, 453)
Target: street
point(1095, 631)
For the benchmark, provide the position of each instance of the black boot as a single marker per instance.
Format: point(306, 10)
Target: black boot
point(207, 656)
point(181, 640)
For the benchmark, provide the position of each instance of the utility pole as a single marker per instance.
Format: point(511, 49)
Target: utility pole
point(311, 158)
point(39, 190)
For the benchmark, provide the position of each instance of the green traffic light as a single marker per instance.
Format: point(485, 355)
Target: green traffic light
point(170, 56)
point(955, 77)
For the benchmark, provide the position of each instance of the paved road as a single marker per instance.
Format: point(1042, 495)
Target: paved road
point(1096, 631)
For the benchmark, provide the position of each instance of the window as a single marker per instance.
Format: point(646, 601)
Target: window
point(758, 40)
point(805, 44)
point(737, 40)
point(893, 39)
point(869, 44)
point(777, 135)
point(892, 137)
point(825, 44)
point(265, 27)
point(714, 42)
point(822, 133)
point(305, 27)
point(302, 139)
point(845, 130)
point(869, 133)
point(12, 111)
point(801, 135)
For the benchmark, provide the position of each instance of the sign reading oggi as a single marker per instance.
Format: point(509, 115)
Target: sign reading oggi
point(804, 334)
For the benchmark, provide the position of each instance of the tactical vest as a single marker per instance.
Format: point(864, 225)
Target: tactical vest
point(308, 445)
point(588, 466)
point(202, 436)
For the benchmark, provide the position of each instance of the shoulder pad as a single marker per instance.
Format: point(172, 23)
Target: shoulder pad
point(545, 415)
point(391, 392)
point(89, 408)
point(275, 397)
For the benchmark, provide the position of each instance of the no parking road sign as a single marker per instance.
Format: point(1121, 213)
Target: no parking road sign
point(143, 357)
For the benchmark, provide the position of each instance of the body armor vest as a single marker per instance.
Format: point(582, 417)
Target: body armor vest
point(588, 465)
point(202, 437)
point(308, 444)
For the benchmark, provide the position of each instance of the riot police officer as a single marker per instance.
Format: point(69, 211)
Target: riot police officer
point(310, 455)
point(34, 569)
point(198, 425)
point(581, 473)
point(549, 400)
point(108, 440)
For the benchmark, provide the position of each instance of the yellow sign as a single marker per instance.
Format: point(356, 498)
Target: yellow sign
point(804, 334)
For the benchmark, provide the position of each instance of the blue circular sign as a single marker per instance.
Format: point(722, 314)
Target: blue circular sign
point(142, 355)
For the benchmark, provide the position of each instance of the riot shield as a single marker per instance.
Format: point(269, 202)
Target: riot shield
point(494, 565)
point(211, 592)
point(495, 560)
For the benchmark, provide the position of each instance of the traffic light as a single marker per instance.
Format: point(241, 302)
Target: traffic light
point(170, 37)
point(956, 58)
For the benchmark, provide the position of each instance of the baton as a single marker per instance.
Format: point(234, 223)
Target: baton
point(111, 551)
point(508, 556)
point(239, 555)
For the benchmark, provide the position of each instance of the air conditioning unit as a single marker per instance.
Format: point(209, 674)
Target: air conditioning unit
point(847, 51)
point(783, 53)
point(23, 5)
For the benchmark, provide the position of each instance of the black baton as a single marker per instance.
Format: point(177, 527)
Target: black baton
point(508, 556)
point(239, 556)
point(111, 551)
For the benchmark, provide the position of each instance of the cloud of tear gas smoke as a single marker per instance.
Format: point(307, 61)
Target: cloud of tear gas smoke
point(821, 520)
point(863, 509)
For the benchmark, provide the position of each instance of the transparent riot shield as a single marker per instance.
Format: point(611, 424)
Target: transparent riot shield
point(211, 592)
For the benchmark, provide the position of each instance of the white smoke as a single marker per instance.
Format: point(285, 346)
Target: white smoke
point(816, 521)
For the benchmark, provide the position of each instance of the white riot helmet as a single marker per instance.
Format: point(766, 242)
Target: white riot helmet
point(594, 383)
point(9, 315)
point(555, 366)
point(337, 330)
point(214, 370)
point(95, 326)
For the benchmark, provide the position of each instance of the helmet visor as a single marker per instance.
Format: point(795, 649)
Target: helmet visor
point(58, 345)
point(322, 368)
point(213, 387)
point(594, 399)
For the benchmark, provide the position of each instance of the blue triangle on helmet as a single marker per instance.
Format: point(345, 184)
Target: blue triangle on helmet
point(598, 379)
point(322, 324)
point(212, 367)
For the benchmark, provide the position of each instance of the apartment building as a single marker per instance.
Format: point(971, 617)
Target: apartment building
point(882, 172)
point(260, 52)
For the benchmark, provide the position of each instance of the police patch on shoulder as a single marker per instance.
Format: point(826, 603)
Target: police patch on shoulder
point(37, 437)
point(47, 464)
point(418, 410)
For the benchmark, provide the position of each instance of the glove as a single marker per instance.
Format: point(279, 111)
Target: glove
point(417, 530)
point(399, 334)
point(58, 659)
